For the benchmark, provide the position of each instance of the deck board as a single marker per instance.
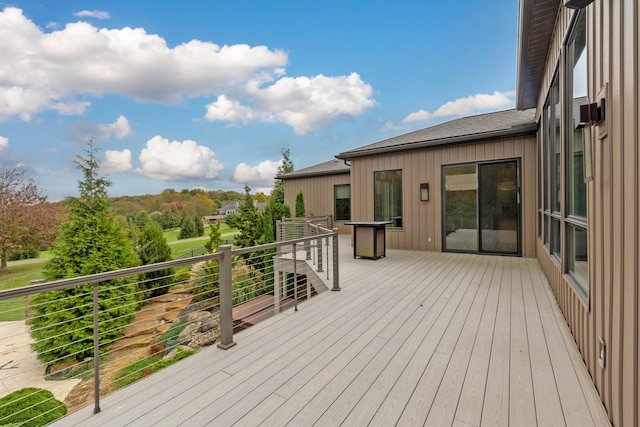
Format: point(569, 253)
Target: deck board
point(411, 339)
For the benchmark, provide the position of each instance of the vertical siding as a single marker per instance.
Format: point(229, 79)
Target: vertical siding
point(423, 220)
point(612, 311)
point(318, 196)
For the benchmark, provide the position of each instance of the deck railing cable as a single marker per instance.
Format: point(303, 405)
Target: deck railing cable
point(106, 330)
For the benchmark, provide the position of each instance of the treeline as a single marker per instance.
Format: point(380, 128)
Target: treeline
point(186, 203)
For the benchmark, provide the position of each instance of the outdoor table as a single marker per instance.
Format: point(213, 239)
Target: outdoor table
point(369, 239)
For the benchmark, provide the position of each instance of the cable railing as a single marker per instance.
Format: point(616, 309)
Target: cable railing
point(86, 337)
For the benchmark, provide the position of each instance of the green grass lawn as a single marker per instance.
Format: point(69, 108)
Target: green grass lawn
point(21, 275)
point(194, 247)
point(15, 277)
point(171, 235)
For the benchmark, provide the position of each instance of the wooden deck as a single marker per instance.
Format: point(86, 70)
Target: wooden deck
point(415, 338)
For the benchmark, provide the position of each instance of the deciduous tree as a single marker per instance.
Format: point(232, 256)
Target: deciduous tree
point(27, 221)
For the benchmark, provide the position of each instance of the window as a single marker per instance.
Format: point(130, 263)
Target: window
point(576, 257)
point(562, 201)
point(550, 168)
point(387, 187)
point(342, 202)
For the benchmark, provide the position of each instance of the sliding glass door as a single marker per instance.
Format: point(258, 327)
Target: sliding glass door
point(482, 207)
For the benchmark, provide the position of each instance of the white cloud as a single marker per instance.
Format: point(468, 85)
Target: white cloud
point(226, 110)
point(390, 126)
point(85, 131)
point(117, 161)
point(465, 106)
point(304, 103)
point(4, 143)
point(263, 174)
point(56, 70)
point(175, 161)
point(62, 69)
point(418, 116)
point(119, 129)
point(98, 14)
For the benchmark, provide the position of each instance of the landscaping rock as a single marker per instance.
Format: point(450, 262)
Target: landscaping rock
point(187, 333)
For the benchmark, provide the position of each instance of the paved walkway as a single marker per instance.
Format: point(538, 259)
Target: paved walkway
point(19, 366)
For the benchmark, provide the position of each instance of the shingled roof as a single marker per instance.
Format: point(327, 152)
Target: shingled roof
point(332, 167)
point(465, 129)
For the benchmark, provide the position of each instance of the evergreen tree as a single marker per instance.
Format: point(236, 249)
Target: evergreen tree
point(170, 218)
point(300, 213)
point(206, 286)
point(199, 227)
point(266, 256)
point(90, 242)
point(187, 229)
point(141, 219)
point(153, 248)
point(279, 208)
point(249, 223)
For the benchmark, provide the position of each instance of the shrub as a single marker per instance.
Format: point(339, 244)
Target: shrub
point(206, 285)
point(30, 407)
point(170, 337)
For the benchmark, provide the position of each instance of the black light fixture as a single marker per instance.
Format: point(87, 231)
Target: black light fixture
point(592, 114)
point(577, 4)
point(424, 192)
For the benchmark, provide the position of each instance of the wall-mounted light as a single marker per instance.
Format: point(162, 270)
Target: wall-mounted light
point(424, 192)
point(591, 114)
point(577, 4)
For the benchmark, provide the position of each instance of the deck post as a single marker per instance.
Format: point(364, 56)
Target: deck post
point(277, 279)
point(279, 236)
point(96, 351)
point(226, 299)
point(319, 252)
point(336, 275)
point(307, 244)
point(295, 277)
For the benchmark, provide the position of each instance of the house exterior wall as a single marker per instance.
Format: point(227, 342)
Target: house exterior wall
point(422, 220)
point(318, 196)
point(611, 312)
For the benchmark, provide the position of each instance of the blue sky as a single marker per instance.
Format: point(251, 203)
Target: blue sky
point(206, 93)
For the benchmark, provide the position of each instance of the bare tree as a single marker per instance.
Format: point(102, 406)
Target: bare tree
point(27, 220)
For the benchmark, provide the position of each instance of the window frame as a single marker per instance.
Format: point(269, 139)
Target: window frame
point(394, 219)
point(573, 221)
point(335, 203)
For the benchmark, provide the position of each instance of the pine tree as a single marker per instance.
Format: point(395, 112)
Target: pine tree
point(300, 212)
point(187, 229)
point(90, 242)
point(199, 227)
point(153, 248)
point(279, 208)
point(249, 223)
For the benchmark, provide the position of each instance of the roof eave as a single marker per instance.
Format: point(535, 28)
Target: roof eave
point(294, 175)
point(536, 20)
point(515, 131)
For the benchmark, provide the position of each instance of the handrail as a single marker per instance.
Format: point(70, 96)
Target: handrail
point(111, 275)
point(102, 277)
point(316, 237)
